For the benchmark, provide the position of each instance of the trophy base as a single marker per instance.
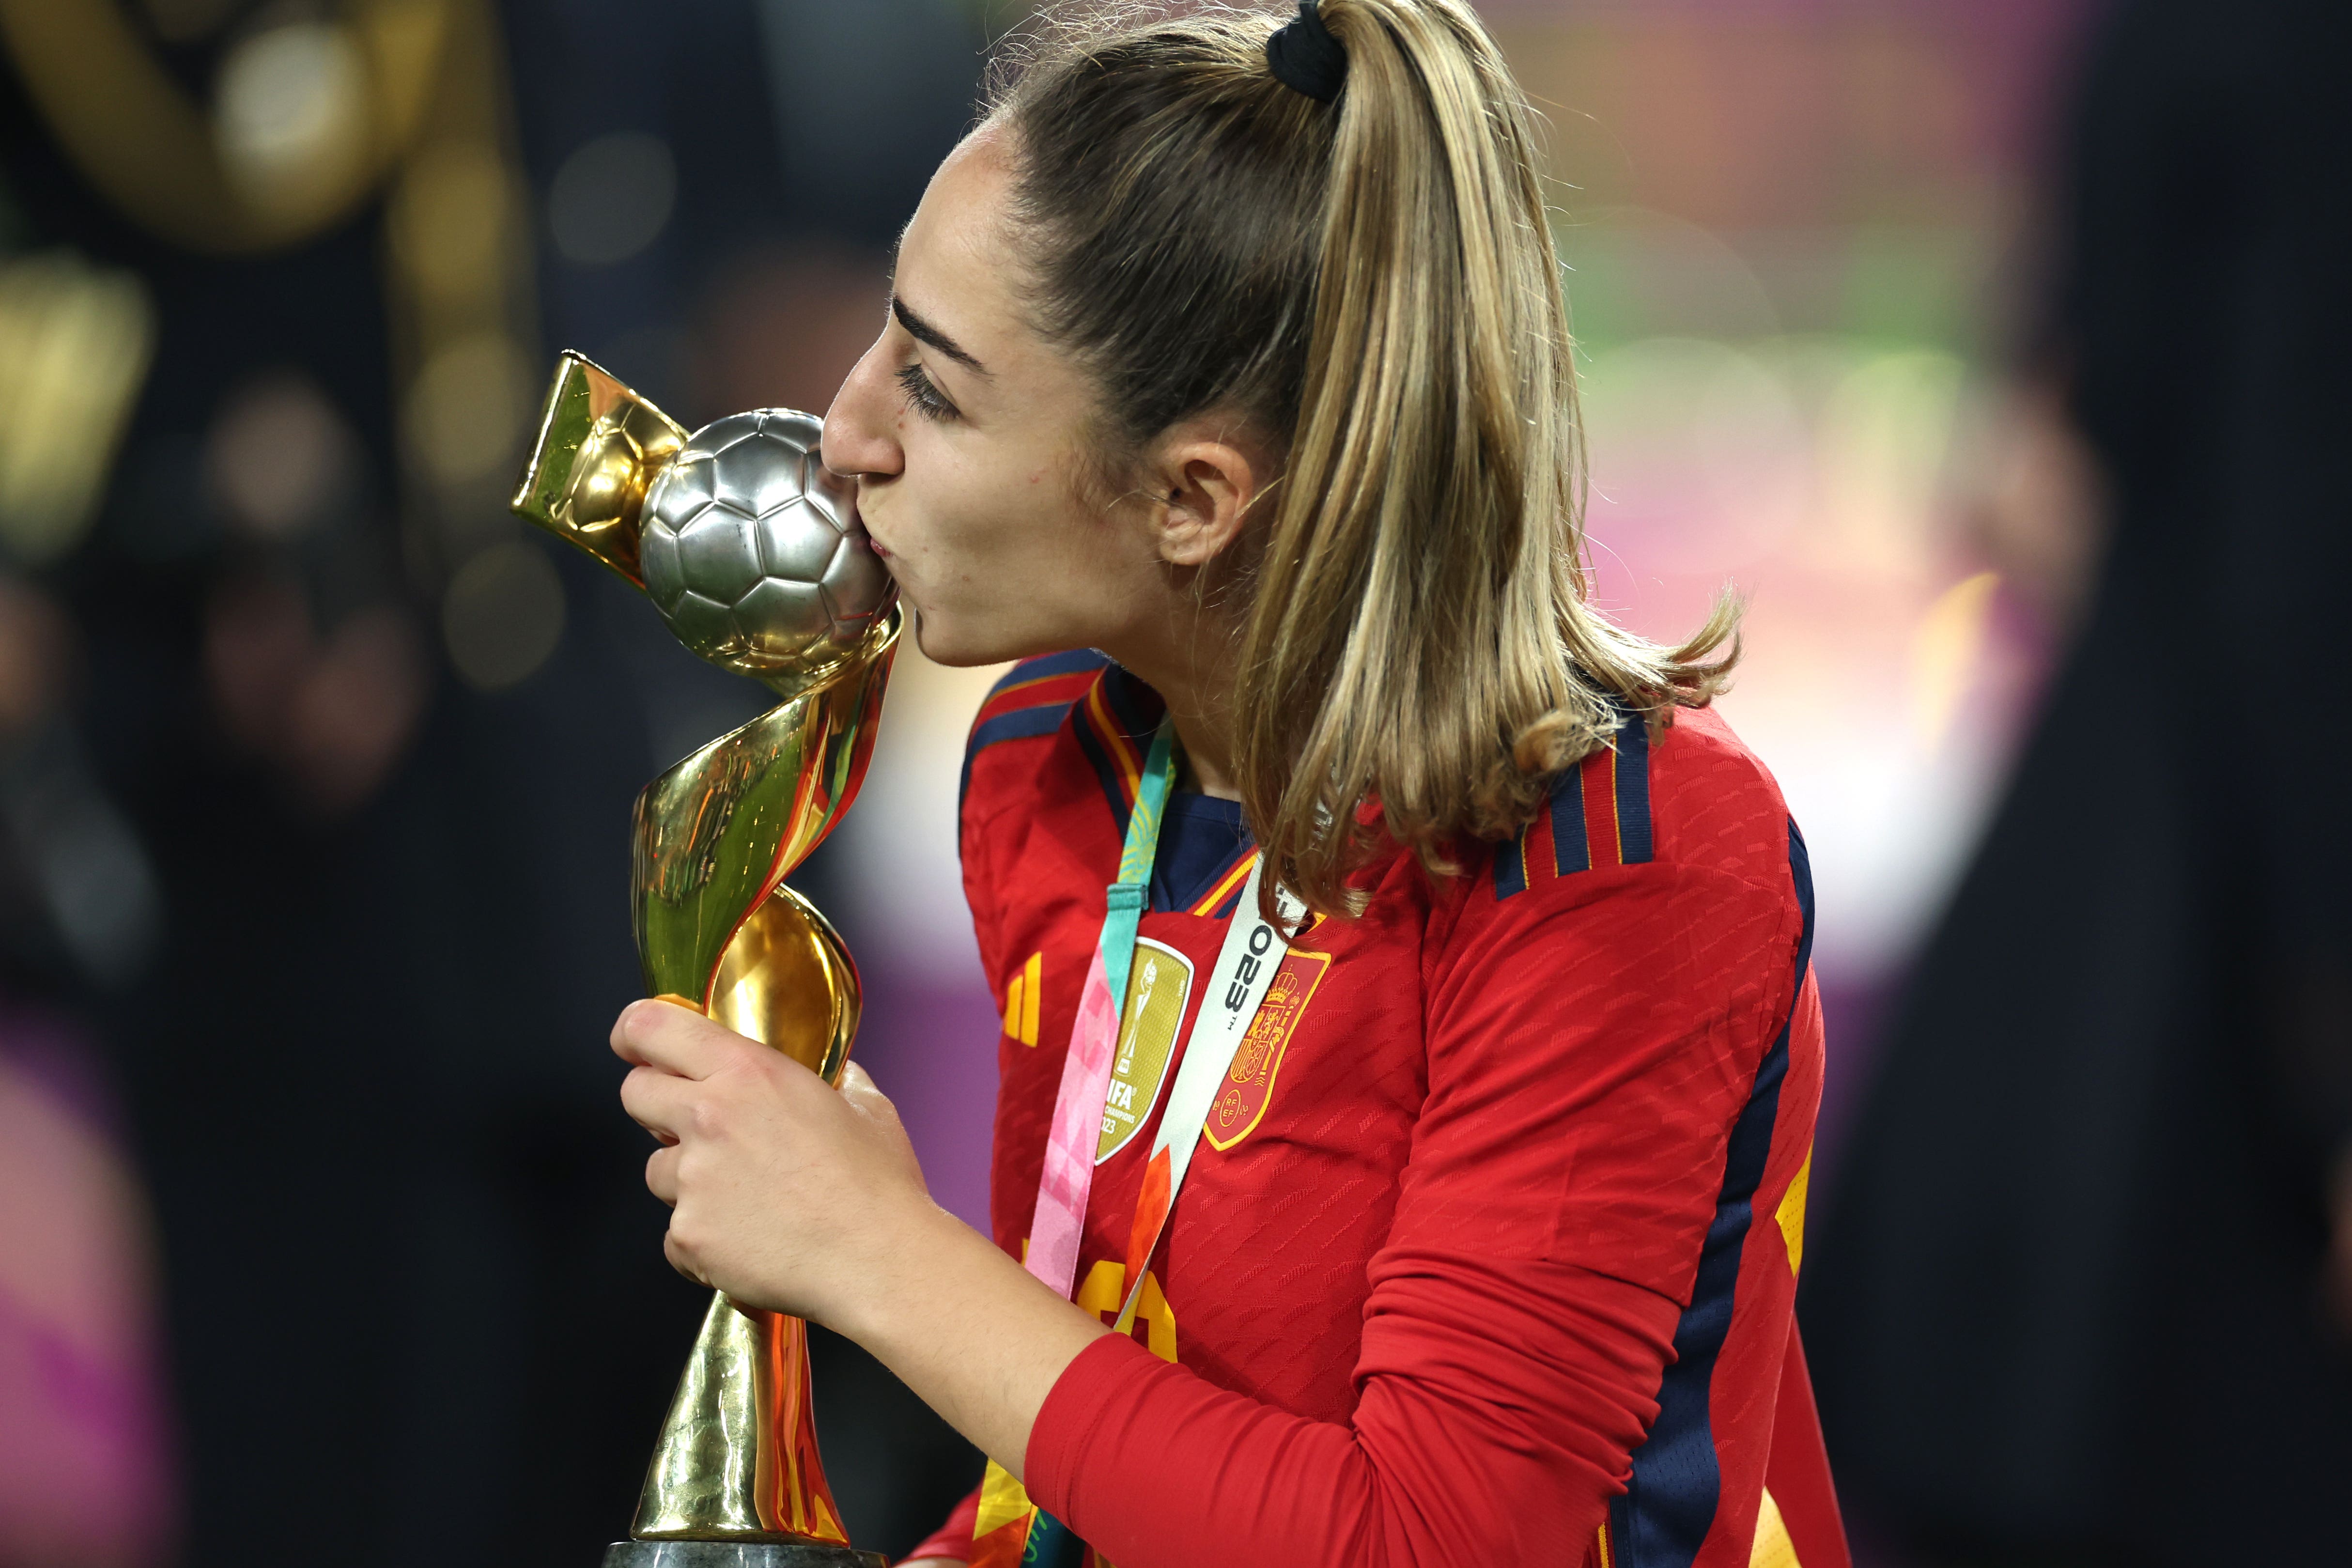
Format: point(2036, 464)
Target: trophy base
point(736, 1554)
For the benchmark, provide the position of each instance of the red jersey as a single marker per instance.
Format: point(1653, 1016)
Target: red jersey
point(1489, 1251)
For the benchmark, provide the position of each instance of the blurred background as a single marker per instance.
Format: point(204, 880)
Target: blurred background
point(1966, 338)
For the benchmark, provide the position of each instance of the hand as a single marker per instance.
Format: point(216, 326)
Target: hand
point(789, 1196)
point(784, 1194)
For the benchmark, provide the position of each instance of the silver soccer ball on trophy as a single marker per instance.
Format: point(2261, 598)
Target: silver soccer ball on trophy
point(752, 551)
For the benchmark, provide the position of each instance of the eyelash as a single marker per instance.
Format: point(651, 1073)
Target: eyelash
point(922, 396)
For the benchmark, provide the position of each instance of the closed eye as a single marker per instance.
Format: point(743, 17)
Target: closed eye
point(923, 395)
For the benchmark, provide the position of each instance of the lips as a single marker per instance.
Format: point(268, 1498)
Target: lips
point(862, 535)
point(867, 528)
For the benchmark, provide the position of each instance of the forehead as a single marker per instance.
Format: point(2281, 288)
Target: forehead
point(954, 258)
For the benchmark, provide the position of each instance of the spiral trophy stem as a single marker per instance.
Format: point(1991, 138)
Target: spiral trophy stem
point(753, 555)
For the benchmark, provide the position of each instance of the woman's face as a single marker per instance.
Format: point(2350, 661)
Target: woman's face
point(966, 433)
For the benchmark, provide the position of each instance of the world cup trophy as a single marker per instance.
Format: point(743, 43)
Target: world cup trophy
point(754, 554)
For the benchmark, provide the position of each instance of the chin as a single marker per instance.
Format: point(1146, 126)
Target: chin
point(940, 646)
point(959, 648)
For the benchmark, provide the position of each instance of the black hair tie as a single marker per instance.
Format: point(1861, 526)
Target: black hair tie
point(1306, 58)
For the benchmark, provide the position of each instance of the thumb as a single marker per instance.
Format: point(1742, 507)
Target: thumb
point(858, 1088)
point(871, 1104)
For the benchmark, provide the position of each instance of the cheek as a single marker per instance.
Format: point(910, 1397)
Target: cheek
point(997, 534)
point(979, 508)
point(1010, 563)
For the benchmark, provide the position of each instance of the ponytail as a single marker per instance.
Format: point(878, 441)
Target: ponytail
point(1371, 283)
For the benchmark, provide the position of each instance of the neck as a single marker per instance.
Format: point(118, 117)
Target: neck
point(1194, 676)
point(1208, 753)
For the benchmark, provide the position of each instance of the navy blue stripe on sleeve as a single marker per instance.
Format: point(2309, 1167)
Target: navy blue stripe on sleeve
point(1663, 1518)
point(1633, 836)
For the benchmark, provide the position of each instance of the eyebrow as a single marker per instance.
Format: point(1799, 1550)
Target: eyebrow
point(922, 332)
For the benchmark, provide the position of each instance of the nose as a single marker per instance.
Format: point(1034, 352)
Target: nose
point(861, 428)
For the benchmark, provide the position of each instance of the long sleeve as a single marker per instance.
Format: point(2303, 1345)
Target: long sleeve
point(1592, 1045)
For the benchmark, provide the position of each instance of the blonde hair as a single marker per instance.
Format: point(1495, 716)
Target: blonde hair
point(1371, 284)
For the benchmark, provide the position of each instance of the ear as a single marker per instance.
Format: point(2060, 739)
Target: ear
point(1206, 476)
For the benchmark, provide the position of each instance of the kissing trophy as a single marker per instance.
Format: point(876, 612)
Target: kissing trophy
point(754, 554)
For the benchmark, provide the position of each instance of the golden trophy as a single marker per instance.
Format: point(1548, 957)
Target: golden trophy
point(754, 554)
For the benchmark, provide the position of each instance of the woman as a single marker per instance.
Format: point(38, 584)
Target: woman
point(1239, 356)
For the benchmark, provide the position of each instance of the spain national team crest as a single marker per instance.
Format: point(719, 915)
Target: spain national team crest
point(1249, 1085)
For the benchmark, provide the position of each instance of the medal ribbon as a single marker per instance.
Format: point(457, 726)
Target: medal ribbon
point(1247, 962)
point(1069, 1173)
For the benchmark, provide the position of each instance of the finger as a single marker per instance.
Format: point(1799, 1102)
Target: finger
point(661, 1174)
point(643, 1020)
point(681, 1260)
point(629, 1018)
point(668, 1034)
point(660, 1103)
